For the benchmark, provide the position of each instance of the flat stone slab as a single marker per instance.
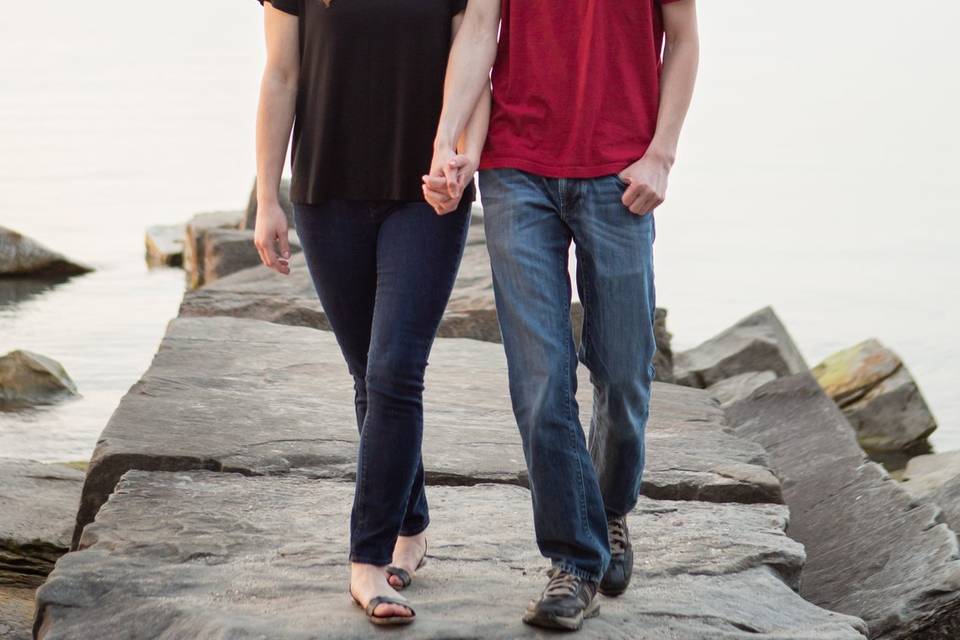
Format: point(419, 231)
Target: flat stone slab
point(262, 398)
point(872, 551)
point(214, 555)
point(935, 478)
point(264, 294)
point(38, 506)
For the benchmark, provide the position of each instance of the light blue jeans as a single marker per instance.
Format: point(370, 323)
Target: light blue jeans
point(530, 222)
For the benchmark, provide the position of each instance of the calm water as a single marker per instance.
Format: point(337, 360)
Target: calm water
point(818, 174)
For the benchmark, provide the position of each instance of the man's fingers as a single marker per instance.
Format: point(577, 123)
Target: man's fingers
point(631, 194)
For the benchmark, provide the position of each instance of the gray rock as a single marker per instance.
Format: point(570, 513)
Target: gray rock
point(759, 342)
point(23, 256)
point(263, 294)
point(228, 251)
point(924, 475)
point(164, 244)
point(892, 416)
point(207, 555)
point(262, 398)
point(740, 386)
point(872, 552)
point(250, 216)
point(39, 504)
point(16, 613)
point(28, 378)
point(194, 248)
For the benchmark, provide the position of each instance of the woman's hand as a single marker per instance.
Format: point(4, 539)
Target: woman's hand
point(448, 179)
point(270, 233)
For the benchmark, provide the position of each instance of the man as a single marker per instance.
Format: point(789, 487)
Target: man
point(589, 97)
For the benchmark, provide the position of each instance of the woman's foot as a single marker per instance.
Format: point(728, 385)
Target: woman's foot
point(408, 555)
point(367, 582)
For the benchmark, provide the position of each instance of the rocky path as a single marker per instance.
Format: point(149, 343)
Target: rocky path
point(216, 555)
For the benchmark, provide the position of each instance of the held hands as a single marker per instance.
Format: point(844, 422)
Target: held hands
point(271, 232)
point(450, 173)
point(646, 183)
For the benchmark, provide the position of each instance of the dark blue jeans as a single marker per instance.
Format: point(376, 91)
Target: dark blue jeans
point(384, 272)
point(530, 222)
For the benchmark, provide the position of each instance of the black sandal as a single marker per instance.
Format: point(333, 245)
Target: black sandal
point(403, 574)
point(376, 601)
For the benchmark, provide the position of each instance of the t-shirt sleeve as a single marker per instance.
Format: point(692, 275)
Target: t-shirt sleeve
point(457, 6)
point(287, 6)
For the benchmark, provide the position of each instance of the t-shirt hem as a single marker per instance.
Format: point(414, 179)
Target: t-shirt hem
point(556, 171)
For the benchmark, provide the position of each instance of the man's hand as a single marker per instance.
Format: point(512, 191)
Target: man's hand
point(646, 183)
point(450, 173)
point(271, 231)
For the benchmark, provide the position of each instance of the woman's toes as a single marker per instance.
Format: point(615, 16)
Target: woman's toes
point(388, 610)
point(395, 582)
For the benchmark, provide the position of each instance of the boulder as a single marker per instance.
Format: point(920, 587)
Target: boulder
point(892, 416)
point(262, 398)
point(215, 555)
point(872, 551)
point(164, 244)
point(23, 256)
point(194, 248)
point(16, 613)
point(847, 375)
point(228, 251)
point(728, 391)
point(250, 216)
point(38, 503)
point(263, 294)
point(759, 342)
point(28, 378)
point(879, 397)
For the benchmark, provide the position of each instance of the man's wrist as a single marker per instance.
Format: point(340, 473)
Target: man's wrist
point(661, 156)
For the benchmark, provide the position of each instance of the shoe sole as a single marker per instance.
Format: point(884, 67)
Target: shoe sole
point(562, 623)
point(613, 593)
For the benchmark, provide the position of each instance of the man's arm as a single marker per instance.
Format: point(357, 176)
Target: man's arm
point(275, 113)
point(465, 105)
point(648, 176)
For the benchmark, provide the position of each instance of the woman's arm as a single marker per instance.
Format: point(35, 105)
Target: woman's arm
point(445, 196)
point(278, 100)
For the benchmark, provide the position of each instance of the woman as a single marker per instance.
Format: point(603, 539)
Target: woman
point(361, 83)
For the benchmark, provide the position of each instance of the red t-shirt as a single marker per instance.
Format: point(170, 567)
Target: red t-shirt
point(576, 86)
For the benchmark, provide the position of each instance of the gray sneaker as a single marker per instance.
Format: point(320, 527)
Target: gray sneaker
point(564, 604)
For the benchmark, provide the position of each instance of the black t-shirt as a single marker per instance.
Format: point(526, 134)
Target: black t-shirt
point(369, 98)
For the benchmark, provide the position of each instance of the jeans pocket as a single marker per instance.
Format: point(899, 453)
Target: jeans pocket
point(620, 181)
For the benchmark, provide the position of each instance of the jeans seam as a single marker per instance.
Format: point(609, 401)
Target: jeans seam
point(571, 425)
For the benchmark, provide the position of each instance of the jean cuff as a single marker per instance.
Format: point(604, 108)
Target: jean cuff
point(583, 574)
point(406, 533)
point(377, 562)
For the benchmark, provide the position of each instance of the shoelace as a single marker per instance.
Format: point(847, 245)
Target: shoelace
point(561, 584)
point(617, 529)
